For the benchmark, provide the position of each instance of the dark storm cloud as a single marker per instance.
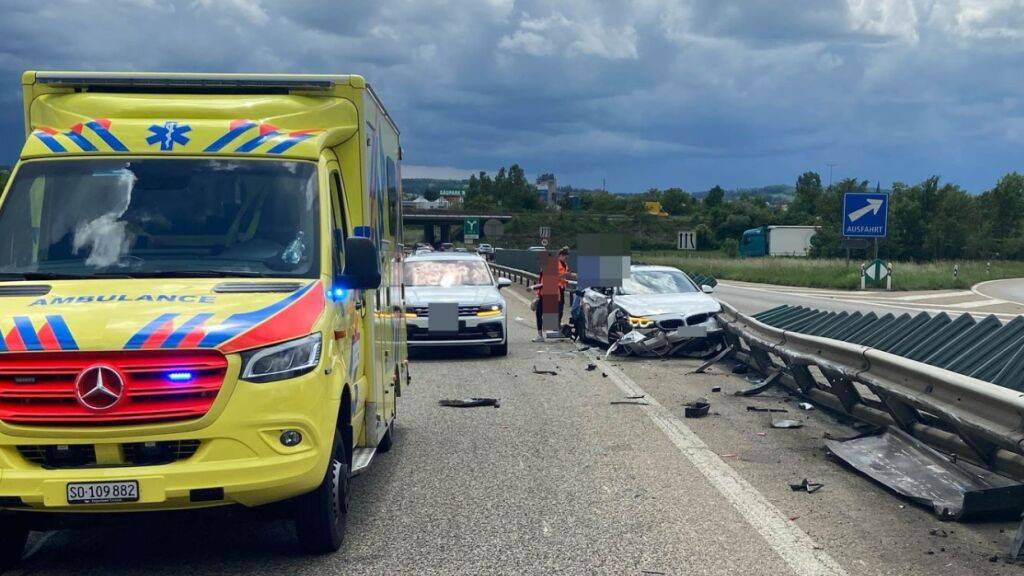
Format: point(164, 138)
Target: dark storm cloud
point(643, 92)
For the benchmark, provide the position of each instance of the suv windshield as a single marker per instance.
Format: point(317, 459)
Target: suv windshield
point(447, 273)
point(160, 217)
point(656, 282)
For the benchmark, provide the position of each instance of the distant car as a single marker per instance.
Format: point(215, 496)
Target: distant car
point(485, 249)
point(461, 249)
point(665, 308)
point(537, 249)
point(452, 299)
point(447, 247)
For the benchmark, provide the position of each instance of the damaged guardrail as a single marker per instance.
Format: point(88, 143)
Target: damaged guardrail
point(979, 421)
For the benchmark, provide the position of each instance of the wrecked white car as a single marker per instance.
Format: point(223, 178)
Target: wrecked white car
point(658, 311)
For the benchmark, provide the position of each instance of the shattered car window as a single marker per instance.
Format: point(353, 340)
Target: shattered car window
point(657, 282)
point(447, 273)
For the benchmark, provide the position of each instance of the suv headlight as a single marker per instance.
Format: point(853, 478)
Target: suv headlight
point(282, 361)
point(489, 310)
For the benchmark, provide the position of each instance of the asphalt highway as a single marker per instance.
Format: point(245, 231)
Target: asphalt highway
point(559, 480)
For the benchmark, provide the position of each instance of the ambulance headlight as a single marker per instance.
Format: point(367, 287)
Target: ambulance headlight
point(282, 361)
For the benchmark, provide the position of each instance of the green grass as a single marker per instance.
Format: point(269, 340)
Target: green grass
point(822, 273)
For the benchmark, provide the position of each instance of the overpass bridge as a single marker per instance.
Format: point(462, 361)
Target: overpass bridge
point(437, 224)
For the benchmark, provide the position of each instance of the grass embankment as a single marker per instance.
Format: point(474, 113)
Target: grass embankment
point(833, 273)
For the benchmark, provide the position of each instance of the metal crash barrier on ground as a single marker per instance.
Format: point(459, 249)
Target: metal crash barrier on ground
point(899, 371)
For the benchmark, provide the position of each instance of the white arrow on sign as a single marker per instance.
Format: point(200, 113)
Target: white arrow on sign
point(874, 205)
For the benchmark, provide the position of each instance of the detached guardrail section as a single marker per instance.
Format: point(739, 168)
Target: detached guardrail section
point(921, 373)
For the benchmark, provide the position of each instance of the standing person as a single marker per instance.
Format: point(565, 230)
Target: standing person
point(549, 295)
point(563, 280)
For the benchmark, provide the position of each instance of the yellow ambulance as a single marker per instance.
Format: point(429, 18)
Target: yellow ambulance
point(200, 301)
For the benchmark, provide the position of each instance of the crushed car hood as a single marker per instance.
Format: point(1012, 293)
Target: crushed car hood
point(131, 314)
point(659, 304)
point(424, 295)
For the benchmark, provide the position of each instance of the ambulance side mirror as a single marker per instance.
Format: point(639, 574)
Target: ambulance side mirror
point(362, 268)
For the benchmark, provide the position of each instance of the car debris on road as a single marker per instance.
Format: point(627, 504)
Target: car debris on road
point(806, 486)
point(471, 402)
point(697, 409)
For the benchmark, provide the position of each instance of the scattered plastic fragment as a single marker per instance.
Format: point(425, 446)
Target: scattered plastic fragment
point(760, 409)
point(762, 433)
point(471, 402)
point(582, 348)
point(547, 372)
point(806, 406)
point(591, 367)
point(631, 400)
point(716, 388)
point(697, 409)
point(787, 424)
point(761, 386)
point(806, 486)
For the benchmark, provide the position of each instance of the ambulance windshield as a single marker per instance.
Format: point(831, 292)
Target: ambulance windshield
point(160, 217)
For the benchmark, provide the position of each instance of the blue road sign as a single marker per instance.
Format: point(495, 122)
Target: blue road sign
point(865, 214)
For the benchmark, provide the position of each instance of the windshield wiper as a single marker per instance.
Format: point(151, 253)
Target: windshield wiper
point(15, 276)
point(199, 274)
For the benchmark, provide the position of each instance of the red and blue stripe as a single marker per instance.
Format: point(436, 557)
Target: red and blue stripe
point(235, 129)
point(101, 127)
point(46, 136)
point(292, 139)
point(52, 335)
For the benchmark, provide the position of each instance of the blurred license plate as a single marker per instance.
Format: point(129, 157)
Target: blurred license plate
point(692, 331)
point(103, 492)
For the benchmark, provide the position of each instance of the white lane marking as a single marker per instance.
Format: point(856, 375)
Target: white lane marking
point(934, 296)
point(905, 307)
point(791, 543)
point(975, 303)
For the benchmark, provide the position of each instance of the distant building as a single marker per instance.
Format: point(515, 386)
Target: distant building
point(547, 189)
point(452, 198)
point(422, 203)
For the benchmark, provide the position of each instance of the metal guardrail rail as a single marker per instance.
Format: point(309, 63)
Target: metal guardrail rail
point(871, 369)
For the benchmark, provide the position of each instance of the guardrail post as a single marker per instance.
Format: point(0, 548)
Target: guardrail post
point(903, 414)
point(762, 359)
point(844, 390)
point(802, 376)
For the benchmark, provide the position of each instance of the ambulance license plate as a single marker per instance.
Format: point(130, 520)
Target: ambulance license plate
point(103, 492)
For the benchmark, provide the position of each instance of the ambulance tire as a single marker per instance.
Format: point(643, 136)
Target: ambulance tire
point(388, 440)
point(321, 515)
point(500, 349)
point(13, 537)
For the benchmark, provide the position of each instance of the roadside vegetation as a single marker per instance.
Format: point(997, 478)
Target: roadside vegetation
point(834, 272)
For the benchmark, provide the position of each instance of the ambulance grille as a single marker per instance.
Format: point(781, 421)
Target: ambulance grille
point(38, 389)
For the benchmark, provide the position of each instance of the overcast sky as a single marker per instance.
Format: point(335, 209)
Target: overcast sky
point(645, 93)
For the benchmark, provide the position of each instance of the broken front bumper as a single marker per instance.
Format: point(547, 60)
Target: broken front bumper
point(655, 341)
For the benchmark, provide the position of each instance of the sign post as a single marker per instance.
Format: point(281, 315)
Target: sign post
point(866, 215)
point(686, 240)
point(545, 234)
point(471, 229)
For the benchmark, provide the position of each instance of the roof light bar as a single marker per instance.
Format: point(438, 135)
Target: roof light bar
point(186, 80)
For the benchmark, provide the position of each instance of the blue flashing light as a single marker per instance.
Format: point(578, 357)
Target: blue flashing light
point(180, 376)
point(338, 293)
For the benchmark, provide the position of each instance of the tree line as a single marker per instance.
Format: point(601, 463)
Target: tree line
point(930, 220)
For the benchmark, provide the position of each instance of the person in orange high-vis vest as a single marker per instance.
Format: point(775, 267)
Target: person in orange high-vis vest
point(563, 279)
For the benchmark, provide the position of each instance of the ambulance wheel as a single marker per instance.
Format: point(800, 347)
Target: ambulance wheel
point(388, 440)
point(321, 515)
point(13, 537)
point(500, 349)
